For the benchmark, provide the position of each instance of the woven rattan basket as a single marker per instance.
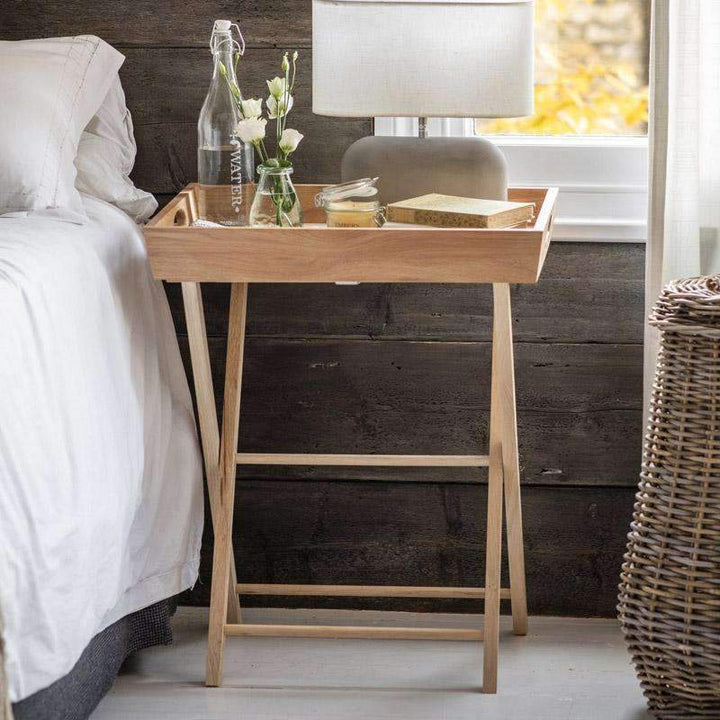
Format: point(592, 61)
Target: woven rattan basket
point(670, 583)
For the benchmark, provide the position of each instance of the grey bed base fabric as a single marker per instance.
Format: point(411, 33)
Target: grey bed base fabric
point(5, 712)
point(76, 695)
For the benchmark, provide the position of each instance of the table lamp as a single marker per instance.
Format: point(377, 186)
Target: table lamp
point(424, 58)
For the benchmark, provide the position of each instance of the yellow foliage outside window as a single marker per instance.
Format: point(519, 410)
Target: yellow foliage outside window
point(590, 70)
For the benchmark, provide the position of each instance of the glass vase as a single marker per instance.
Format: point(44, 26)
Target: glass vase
point(276, 203)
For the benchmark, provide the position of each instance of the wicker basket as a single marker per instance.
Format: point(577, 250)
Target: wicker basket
point(670, 583)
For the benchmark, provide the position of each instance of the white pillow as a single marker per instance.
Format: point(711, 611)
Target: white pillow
point(106, 155)
point(51, 89)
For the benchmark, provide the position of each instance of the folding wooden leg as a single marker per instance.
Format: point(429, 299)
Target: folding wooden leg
point(493, 552)
point(503, 480)
point(222, 554)
point(511, 468)
point(207, 415)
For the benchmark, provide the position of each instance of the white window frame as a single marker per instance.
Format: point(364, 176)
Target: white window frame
point(602, 180)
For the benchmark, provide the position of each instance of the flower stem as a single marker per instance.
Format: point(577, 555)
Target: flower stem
point(261, 149)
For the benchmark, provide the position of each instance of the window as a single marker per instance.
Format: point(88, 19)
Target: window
point(591, 70)
point(588, 136)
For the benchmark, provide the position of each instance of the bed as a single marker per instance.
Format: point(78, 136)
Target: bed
point(101, 509)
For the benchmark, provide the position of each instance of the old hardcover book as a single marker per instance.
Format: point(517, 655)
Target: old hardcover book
point(461, 212)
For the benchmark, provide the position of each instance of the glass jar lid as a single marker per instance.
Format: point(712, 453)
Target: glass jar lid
point(355, 189)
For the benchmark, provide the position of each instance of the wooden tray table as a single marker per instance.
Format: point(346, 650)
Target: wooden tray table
point(315, 253)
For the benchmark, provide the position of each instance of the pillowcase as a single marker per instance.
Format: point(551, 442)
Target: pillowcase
point(106, 155)
point(51, 89)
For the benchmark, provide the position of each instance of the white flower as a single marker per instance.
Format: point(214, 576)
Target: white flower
point(251, 130)
point(289, 140)
point(252, 108)
point(276, 108)
point(276, 86)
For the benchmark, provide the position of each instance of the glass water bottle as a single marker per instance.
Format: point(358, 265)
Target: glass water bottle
point(225, 165)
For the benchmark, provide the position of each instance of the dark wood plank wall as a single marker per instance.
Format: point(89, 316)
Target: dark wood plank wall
point(390, 368)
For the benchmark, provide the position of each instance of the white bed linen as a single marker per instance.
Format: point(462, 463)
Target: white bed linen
point(101, 507)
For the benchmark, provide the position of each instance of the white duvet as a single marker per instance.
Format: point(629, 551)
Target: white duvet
point(101, 508)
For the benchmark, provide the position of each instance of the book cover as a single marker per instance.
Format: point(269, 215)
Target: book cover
point(453, 211)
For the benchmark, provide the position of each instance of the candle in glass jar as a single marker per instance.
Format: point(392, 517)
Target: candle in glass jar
point(351, 204)
point(353, 214)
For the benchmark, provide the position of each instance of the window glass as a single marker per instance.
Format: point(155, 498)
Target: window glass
point(591, 70)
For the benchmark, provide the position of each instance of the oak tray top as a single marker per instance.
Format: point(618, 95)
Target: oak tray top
point(179, 252)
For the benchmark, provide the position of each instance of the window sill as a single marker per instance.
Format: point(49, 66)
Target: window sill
point(582, 141)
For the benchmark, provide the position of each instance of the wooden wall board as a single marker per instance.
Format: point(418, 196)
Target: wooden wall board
point(165, 89)
point(149, 23)
point(578, 405)
point(588, 293)
point(406, 375)
point(556, 449)
point(424, 534)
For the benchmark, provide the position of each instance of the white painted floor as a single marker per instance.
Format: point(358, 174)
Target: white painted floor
point(565, 669)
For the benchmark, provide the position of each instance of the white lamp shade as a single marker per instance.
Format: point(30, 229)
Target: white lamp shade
point(423, 58)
